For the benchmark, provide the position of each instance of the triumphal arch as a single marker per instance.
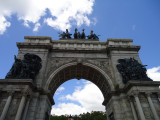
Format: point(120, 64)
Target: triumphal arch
point(43, 64)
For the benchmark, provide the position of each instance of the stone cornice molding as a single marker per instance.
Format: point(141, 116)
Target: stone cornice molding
point(129, 85)
point(132, 83)
point(17, 82)
point(124, 48)
point(34, 45)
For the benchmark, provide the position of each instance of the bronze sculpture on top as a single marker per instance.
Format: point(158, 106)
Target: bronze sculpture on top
point(93, 36)
point(65, 35)
point(83, 36)
point(131, 69)
point(78, 35)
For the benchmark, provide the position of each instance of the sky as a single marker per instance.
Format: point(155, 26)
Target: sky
point(135, 19)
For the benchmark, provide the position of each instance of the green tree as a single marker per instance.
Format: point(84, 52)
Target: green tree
point(94, 115)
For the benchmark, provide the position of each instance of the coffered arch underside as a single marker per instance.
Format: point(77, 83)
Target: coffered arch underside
point(77, 70)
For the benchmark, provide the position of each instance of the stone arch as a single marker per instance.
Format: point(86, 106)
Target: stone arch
point(80, 71)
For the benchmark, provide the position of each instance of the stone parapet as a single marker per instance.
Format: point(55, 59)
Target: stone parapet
point(45, 42)
point(37, 39)
point(119, 41)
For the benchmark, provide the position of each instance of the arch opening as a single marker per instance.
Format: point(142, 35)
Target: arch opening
point(79, 71)
point(77, 97)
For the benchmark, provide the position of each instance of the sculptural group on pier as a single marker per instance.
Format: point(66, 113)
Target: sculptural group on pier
point(78, 35)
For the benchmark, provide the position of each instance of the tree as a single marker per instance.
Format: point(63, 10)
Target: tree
point(94, 115)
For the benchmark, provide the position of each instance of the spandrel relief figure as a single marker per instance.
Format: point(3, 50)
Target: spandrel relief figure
point(27, 68)
point(16, 68)
point(131, 69)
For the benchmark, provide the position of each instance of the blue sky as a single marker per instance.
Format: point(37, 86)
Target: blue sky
point(135, 19)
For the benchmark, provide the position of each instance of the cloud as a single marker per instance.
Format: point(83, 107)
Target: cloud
point(63, 13)
point(89, 98)
point(3, 24)
point(59, 90)
point(67, 108)
point(37, 25)
point(154, 73)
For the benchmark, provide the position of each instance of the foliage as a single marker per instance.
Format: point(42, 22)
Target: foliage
point(94, 115)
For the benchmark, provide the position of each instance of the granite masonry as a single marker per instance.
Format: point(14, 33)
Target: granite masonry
point(65, 59)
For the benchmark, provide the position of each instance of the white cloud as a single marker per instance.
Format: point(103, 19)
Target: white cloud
point(89, 97)
point(68, 108)
point(62, 12)
point(154, 73)
point(37, 25)
point(62, 97)
point(3, 24)
point(59, 90)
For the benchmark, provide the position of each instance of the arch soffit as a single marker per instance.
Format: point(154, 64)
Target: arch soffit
point(75, 63)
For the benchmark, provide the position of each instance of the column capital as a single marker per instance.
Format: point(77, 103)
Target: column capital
point(26, 92)
point(29, 97)
point(11, 92)
point(135, 94)
point(130, 97)
point(148, 94)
